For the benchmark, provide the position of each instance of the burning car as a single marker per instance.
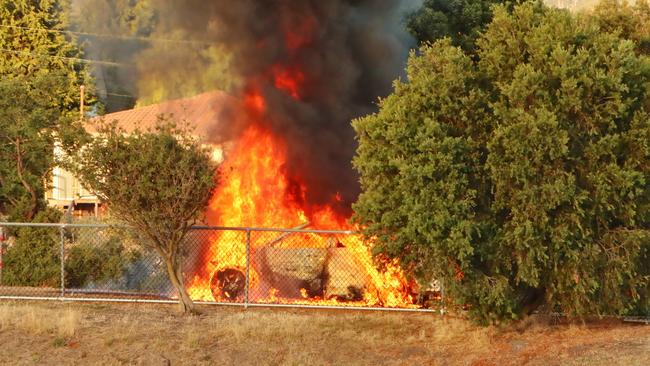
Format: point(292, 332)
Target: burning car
point(329, 273)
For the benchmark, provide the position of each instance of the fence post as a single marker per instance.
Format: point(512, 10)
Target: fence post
point(248, 267)
point(62, 233)
point(2, 247)
point(442, 298)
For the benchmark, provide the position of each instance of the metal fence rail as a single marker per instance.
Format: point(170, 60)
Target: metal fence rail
point(224, 266)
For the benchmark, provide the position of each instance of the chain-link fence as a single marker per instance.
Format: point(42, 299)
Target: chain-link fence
point(234, 266)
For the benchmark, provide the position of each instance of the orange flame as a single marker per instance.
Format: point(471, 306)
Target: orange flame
point(256, 191)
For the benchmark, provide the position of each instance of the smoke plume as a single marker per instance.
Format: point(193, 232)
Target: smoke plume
point(318, 64)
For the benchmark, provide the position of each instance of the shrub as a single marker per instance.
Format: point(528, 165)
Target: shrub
point(97, 260)
point(35, 258)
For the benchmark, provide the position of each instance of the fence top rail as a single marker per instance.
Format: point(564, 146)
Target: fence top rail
point(57, 225)
point(264, 229)
point(220, 228)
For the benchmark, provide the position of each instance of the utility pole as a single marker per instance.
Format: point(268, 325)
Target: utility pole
point(3, 238)
point(83, 101)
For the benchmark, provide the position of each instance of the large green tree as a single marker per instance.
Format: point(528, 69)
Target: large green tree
point(39, 93)
point(158, 181)
point(520, 177)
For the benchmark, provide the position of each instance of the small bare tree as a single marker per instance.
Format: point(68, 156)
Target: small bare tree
point(158, 181)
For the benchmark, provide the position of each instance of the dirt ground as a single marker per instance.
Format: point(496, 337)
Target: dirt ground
point(53, 333)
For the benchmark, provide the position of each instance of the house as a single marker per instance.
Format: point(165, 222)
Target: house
point(202, 112)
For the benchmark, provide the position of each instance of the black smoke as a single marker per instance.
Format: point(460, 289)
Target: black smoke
point(349, 51)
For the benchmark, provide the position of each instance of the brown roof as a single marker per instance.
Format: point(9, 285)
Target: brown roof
point(203, 112)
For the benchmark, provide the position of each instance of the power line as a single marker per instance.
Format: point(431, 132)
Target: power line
point(121, 95)
point(99, 35)
point(76, 59)
point(80, 60)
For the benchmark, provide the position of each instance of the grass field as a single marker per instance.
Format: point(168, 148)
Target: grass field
point(54, 333)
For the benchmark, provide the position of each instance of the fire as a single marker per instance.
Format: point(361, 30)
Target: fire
point(255, 103)
point(289, 81)
point(257, 191)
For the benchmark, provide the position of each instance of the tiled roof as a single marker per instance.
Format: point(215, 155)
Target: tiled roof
point(204, 112)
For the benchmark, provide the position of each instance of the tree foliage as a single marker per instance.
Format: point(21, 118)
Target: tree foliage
point(32, 45)
point(39, 92)
point(29, 125)
point(461, 20)
point(520, 177)
point(158, 181)
point(631, 21)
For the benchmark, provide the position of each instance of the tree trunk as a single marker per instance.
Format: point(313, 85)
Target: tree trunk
point(176, 277)
point(32, 192)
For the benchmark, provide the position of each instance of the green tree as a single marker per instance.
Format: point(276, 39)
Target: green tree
point(520, 177)
point(29, 124)
point(158, 181)
point(39, 92)
point(461, 20)
point(32, 44)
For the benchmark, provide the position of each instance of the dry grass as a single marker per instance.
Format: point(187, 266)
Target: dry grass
point(38, 321)
point(55, 333)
